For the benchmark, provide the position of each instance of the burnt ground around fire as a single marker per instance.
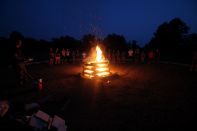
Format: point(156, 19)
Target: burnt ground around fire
point(135, 97)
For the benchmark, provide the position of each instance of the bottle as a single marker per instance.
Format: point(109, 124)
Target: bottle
point(40, 84)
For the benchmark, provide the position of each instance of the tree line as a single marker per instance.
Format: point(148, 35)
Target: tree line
point(172, 39)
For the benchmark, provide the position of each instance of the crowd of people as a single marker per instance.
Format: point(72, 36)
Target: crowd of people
point(61, 56)
point(64, 55)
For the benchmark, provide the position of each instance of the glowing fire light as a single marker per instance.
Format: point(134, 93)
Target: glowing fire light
point(98, 67)
point(98, 54)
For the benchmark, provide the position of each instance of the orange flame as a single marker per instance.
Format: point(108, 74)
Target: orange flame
point(98, 54)
point(96, 67)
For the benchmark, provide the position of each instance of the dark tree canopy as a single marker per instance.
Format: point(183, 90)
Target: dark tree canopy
point(169, 34)
point(88, 41)
point(65, 42)
point(114, 41)
point(191, 42)
point(15, 35)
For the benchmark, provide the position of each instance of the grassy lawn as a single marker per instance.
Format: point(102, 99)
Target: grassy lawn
point(159, 96)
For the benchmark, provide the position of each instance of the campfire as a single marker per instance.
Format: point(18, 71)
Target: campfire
point(97, 66)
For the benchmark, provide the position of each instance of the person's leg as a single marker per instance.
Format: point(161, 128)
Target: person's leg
point(24, 73)
point(19, 75)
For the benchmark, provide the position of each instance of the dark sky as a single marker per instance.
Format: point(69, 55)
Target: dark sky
point(135, 19)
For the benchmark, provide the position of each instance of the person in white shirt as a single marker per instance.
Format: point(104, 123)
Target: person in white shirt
point(130, 54)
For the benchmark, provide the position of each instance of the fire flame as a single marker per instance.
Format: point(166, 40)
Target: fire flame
point(97, 67)
point(98, 54)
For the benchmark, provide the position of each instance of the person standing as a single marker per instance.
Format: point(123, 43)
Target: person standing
point(68, 55)
point(57, 56)
point(130, 55)
point(83, 56)
point(142, 57)
point(19, 64)
point(151, 57)
point(157, 56)
point(51, 56)
point(193, 66)
point(63, 56)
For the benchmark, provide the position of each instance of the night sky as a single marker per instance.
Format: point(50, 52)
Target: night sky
point(135, 19)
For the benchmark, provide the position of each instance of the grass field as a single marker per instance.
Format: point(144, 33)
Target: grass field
point(138, 97)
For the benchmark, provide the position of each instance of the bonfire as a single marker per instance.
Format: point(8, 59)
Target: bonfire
point(97, 66)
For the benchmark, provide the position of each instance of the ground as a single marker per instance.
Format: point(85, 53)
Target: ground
point(138, 96)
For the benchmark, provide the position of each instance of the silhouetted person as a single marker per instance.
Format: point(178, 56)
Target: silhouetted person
point(193, 66)
point(109, 55)
point(57, 56)
point(142, 57)
point(7, 120)
point(73, 56)
point(63, 56)
point(68, 55)
point(51, 56)
point(137, 55)
point(84, 55)
point(130, 55)
point(19, 64)
point(151, 56)
point(157, 56)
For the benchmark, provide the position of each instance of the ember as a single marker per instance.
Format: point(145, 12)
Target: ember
point(97, 67)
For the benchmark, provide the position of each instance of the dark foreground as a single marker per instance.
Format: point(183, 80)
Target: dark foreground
point(138, 97)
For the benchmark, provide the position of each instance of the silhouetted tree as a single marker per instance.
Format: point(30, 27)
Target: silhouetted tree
point(168, 38)
point(135, 45)
point(88, 41)
point(66, 42)
point(114, 41)
point(71, 42)
point(191, 42)
point(34, 48)
point(15, 35)
point(189, 45)
point(169, 35)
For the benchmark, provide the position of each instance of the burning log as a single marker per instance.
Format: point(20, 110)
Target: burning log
point(96, 68)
